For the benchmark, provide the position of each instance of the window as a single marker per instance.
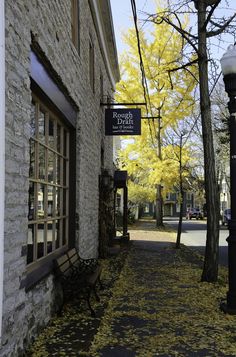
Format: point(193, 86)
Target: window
point(48, 204)
point(189, 196)
point(91, 65)
point(168, 196)
point(75, 24)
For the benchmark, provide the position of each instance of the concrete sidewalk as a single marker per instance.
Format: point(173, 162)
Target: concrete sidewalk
point(156, 307)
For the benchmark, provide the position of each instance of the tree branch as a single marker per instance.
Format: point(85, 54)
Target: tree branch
point(210, 14)
point(185, 66)
point(221, 28)
point(185, 34)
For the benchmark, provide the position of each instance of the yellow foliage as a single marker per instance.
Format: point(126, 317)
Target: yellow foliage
point(170, 94)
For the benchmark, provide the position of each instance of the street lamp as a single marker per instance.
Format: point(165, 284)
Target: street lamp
point(228, 64)
point(106, 180)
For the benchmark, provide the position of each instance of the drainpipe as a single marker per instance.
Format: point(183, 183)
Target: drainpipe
point(2, 150)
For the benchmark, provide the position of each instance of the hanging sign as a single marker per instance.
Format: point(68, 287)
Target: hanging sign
point(123, 122)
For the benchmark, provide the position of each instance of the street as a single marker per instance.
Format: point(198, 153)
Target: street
point(194, 235)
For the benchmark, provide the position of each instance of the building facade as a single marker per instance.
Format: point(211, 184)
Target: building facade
point(60, 62)
point(171, 206)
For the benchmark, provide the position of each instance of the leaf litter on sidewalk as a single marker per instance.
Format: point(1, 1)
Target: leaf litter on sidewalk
point(160, 308)
point(156, 306)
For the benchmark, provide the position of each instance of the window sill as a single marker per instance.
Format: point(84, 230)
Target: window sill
point(39, 270)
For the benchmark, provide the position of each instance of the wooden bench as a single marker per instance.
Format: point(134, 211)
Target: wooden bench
point(79, 277)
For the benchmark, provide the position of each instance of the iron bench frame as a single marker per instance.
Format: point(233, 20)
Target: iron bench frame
point(79, 277)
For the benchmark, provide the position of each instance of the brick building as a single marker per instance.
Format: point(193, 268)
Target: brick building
point(60, 61)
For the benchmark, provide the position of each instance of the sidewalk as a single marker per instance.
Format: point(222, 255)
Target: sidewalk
point(156, 307)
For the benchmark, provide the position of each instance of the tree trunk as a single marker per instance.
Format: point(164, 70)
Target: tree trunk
point(159, 213)
point(159, 200)
point(210, 269)
point(177, 245)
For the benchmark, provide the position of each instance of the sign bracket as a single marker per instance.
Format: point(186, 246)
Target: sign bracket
point(158, 117)
point(110, 104)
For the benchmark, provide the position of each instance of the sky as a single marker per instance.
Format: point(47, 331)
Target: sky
point(122, 16)
point(122, 19)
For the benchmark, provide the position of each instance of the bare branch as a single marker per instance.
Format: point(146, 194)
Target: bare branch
point(185, 34)
point(185, 66)
point(221, 28)
point(210, 13)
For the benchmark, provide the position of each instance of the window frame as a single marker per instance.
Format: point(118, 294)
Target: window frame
point(51, 92)
point(59, 184)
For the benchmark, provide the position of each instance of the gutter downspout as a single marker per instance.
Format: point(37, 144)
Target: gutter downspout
point(2, 152)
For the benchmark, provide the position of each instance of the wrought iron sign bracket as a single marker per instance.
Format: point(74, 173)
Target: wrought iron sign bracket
point(158, 117)
point(110, 104)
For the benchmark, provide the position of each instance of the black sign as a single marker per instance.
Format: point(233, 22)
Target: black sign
point(123, 122)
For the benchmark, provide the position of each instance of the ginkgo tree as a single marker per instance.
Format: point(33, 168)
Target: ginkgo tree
point(145, 169)
point(169, 99)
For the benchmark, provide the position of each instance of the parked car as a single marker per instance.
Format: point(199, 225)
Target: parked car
point(194, 213)
point(226, 216)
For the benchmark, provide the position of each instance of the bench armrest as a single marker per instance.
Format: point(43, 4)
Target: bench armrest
point(88, 265)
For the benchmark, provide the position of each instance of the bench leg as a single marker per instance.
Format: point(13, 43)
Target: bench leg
point(59, 313)
point(89, 305)
point(100, 284)
point(95, 293)
point(66, 295)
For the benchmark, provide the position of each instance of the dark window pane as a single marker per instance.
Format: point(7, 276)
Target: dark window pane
point(65, 143)
point(57, 234)
point(58, 169)
point(50, 201)
point(64, 237)
point(40, 240)
point(32, 119)
point(31, 202)
point(58, 201)
point(51, 156)
point(58, 138)
point(64, 172)
point(41, 126)
point(64, 201)
point(41, 200)
point(32, 159)
point(30, 243)
point(41, 162)
point(51, 133)
point(49, 237)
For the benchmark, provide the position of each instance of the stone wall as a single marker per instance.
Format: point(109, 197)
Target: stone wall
point(25, 313)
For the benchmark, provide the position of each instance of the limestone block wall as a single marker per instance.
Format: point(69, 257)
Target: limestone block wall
point(49, 23)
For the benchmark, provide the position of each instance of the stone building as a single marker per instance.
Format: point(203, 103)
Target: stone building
point(60, 61)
